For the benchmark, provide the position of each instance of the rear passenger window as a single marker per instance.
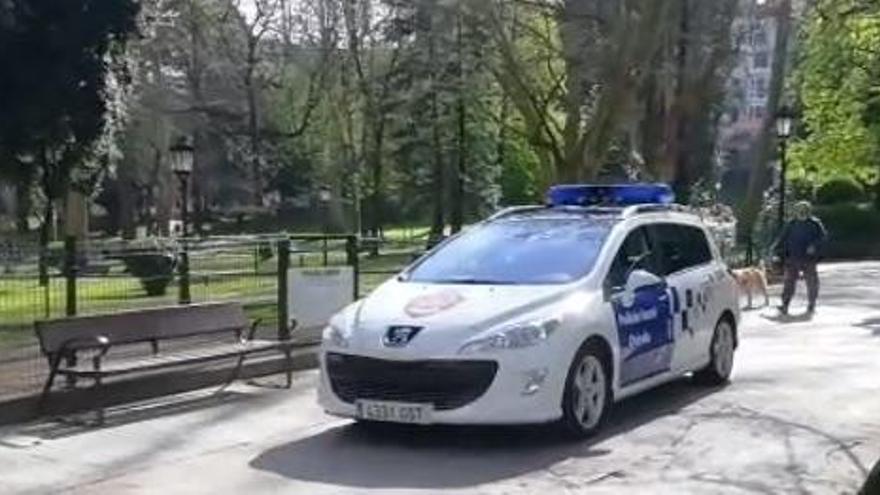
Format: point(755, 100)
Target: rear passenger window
point(698, 249)
point(681, 247)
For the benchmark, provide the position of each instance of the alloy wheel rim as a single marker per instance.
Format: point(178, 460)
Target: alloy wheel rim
point(589, 389)
point(723, 350)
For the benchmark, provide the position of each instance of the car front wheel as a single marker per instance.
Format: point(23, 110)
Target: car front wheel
point(587, 396)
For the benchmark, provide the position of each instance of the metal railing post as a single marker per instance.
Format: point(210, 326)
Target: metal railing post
point(352, 259)
point(184, 296)
point(70, 271)
point(283, 310)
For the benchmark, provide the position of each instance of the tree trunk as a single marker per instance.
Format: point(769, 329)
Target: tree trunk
point(675, 145)
point(377, 186)
point(438, 216)
point(46, 230)
point(253, 125)
point(877, 193)
point(23, 206)
point(764, 148)
point(456, 218)
point(571, 35)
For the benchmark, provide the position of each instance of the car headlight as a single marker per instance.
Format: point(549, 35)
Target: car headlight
point(334, 336)
point(513, 337)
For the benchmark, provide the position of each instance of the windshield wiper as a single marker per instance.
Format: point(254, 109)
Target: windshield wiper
point(476, 281)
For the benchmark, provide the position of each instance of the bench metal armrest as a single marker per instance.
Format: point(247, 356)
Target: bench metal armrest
point(96, 360)
point(100, 342)
point(253, 330)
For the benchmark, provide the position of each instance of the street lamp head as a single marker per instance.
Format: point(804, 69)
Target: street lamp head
point(324, 194)
point(181, 154)
point(784, 120)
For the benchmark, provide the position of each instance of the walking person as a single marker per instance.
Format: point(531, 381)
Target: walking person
point(799, 246)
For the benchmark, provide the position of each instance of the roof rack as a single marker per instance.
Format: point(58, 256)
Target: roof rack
point(631, 211)
point(594, 210)
point(514, 209)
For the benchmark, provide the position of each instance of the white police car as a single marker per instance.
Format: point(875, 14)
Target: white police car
point(539, 314)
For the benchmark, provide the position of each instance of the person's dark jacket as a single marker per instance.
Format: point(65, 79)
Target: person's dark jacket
point(872, 484)
point(798, 237)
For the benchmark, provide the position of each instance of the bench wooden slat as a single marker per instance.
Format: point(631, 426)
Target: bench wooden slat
point(112, 366)
point(141, 325)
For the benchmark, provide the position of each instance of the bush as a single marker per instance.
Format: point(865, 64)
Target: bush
point(853, 230)
point(154, 270)
point(839, 191)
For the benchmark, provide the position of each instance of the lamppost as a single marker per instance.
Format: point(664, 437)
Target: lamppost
point(181, 153)
point(783, 132)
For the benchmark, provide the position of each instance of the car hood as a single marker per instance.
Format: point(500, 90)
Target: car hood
point(447, 314)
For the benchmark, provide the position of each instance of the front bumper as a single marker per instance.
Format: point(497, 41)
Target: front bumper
point(510, 397)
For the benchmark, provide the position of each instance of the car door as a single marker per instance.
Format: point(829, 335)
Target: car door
point(685, 261)
point(642, 318)
point(709, 276)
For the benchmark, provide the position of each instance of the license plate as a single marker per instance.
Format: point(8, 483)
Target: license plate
point(394, 412)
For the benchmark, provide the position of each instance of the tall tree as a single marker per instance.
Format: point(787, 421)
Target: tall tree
point(765, 148)
point(584, 74)
point(56, 102)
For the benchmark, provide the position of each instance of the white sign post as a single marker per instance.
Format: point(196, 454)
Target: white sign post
point(316, 294)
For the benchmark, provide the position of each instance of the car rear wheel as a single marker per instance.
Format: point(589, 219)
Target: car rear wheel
point(587, 397)
point(721, 353)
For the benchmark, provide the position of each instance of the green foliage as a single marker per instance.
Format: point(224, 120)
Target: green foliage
point(519, 185)
point(844, 190)
point(839, 87)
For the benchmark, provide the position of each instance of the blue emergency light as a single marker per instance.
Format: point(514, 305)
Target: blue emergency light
point(609, 195)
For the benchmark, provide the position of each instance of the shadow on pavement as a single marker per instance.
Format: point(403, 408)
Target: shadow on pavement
point(66, 426)
point(396, 456)
point(789, 318)
point(872, 324)
point(850, 285)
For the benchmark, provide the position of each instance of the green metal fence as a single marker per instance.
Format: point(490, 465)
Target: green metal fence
point(81, 278)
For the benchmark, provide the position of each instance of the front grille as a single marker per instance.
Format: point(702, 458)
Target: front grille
point(447, 384)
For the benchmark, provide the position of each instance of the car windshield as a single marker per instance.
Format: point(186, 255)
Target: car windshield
point(519, 250)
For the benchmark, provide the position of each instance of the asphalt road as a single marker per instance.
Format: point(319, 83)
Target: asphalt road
point(802, 415)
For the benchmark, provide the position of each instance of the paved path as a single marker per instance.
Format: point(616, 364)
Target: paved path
point(802, 415)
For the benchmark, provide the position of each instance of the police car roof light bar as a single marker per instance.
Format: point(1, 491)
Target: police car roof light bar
point(618, 195)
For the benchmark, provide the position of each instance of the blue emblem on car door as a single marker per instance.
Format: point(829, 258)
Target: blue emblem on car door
point(644, 330)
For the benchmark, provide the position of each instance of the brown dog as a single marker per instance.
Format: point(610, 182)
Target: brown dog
point(751, 280)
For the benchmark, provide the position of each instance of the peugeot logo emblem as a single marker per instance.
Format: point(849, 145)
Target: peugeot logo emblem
point(399, 336)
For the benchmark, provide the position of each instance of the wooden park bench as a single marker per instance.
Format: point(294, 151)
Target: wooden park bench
point(62, 340)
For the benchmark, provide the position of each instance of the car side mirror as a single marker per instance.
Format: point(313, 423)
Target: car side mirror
point(639, 279)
